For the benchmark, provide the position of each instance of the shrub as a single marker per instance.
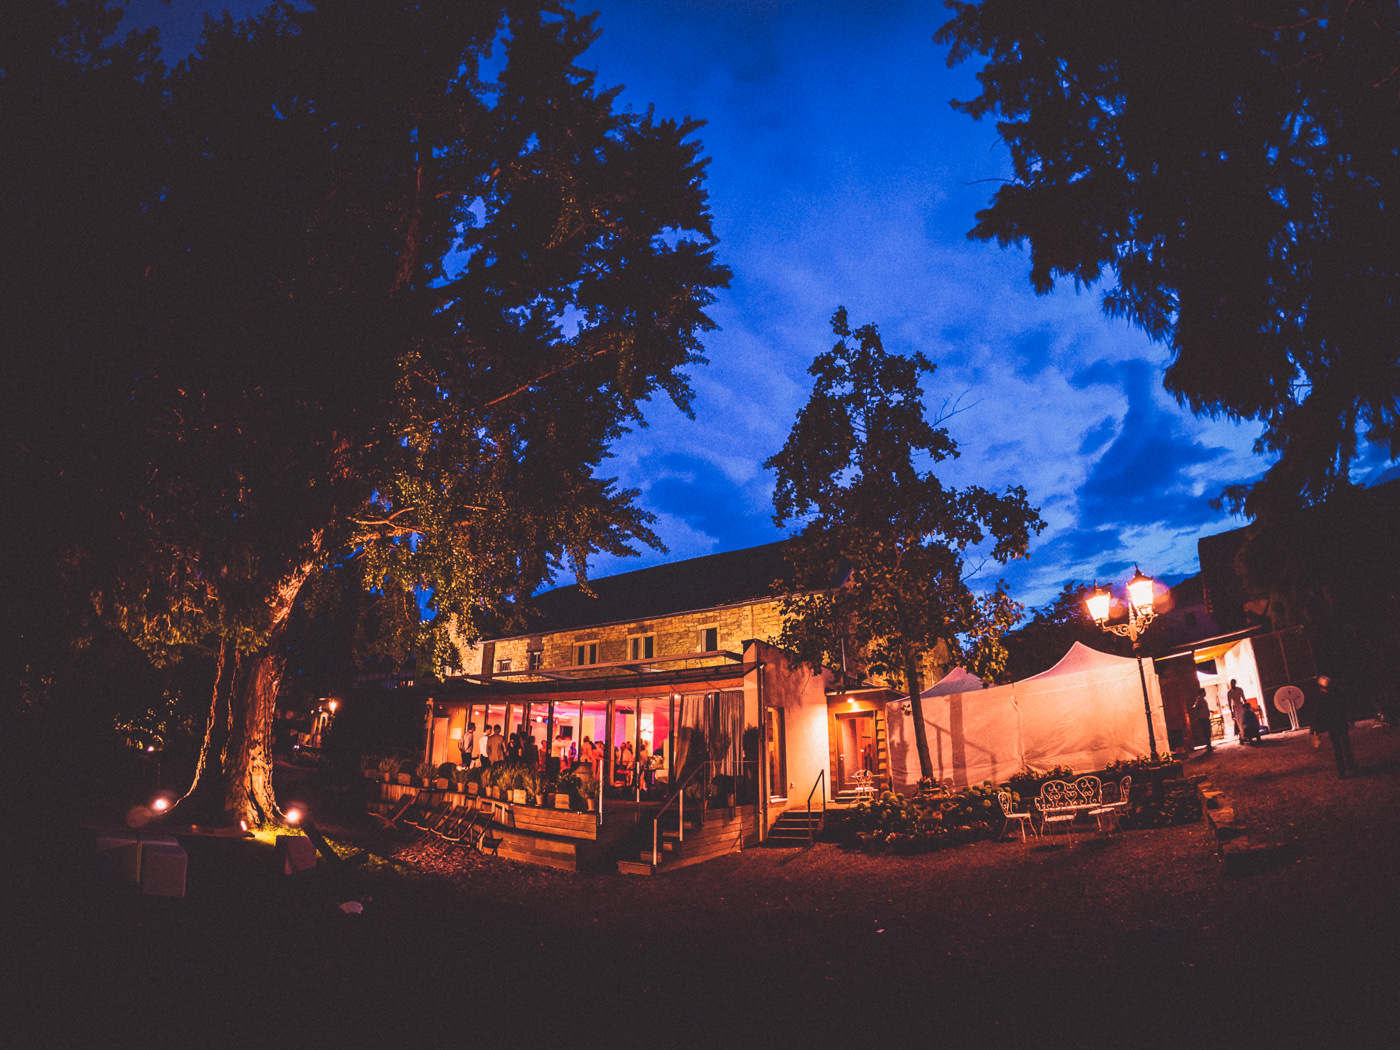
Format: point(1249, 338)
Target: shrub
point(914, 825)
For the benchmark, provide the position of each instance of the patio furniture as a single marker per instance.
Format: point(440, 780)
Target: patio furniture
point(1022, 818)
point(426, 818)
point(865, 786)
point(1110, 812)
point(388, 820)
point(1060, 802)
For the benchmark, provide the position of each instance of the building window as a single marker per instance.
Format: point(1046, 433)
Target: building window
point(709, 639)
point(642, 646)
point(503, 664)
point(586, 653)
point(535, 659)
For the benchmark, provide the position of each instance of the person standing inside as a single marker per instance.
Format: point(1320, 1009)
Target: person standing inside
point(1238, 704)
point(495, 746)
point(1200, 719)
point(467, 745)
point(1334, 719)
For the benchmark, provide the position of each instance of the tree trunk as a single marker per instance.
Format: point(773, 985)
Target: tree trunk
point(916, 707)
point(233, 780)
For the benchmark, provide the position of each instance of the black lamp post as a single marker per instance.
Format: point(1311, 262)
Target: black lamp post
point(1140, 614)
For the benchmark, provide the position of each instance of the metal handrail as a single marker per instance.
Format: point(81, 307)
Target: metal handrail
point(820, 781)
point(679, 797)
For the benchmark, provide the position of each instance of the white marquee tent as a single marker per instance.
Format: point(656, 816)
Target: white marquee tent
point(1084, 713)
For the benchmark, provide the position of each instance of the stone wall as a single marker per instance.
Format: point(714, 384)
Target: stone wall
point(675, 636)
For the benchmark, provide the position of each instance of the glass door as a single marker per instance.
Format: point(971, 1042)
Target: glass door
point(776, 755)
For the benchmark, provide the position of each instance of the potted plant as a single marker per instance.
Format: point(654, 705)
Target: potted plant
point(405, 773)
point(425, 773)
point(388, 769)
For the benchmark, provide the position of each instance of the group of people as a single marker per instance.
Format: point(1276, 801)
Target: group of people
point(489, 746)
point(1331, 717)
point(1241, 710)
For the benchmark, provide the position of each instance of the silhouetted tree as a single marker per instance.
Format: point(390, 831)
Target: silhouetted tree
point(1053, 629)
point(396, 276)
point(847, 473)
point(1234, 165)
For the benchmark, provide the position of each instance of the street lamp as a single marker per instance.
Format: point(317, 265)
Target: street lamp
point(1140, 614)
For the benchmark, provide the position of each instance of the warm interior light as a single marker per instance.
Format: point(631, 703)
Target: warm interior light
point(332, 706)
point(1098, 604)
point(293, 816)
point(1140, 590)
point(160, 805)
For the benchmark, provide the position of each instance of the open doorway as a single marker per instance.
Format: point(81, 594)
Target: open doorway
point(855, 747)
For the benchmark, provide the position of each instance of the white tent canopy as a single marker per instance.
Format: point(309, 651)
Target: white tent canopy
point(1084, 713)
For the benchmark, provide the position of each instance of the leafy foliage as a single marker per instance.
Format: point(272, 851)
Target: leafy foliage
point(383, 285)
point(917, 824)
point(1053, 629)
point(1225, 161)
point(896, 533)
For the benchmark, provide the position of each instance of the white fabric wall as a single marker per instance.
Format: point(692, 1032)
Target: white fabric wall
point(1083, 713)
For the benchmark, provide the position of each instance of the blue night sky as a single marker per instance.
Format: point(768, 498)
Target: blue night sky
point(839, 175)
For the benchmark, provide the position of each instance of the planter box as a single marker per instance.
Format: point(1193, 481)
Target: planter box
point(561, 801)
point(517, 795)
point(442, 784)
point(473, 788)
point(405, 778)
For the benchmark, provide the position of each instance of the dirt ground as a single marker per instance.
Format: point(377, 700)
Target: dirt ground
point(1135, 939)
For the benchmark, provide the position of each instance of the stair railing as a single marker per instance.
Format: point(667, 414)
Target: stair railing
point(678, 797)
point(819, 782)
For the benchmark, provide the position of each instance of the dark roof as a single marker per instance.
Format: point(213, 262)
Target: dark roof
point(715, 580)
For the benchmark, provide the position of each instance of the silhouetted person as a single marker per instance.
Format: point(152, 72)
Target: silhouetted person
point(1334, 719)
point(1200, 719)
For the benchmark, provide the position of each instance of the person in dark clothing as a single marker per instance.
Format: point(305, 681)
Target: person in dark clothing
point(1200, 719)
point(1334, 719)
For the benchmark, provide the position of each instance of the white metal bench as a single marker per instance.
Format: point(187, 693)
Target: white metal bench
point(1060, 802)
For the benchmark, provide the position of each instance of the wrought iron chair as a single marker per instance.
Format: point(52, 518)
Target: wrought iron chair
point(1111, 811)
point(1058, 805)
point(1022, 818)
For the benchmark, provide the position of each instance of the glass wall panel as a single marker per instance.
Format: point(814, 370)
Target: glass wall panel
point(624, 746)
point(654, 749)
point(593, 736)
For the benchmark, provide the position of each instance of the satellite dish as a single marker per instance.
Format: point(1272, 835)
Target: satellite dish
point(1288, 699)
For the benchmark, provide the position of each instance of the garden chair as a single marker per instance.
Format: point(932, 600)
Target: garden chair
point(420, 805)
point(1022, 818)
point(1058, 805)
point(447, 819)
point(427, 817)
point(455, 832)
point(1111, 811)
point(395, 814)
